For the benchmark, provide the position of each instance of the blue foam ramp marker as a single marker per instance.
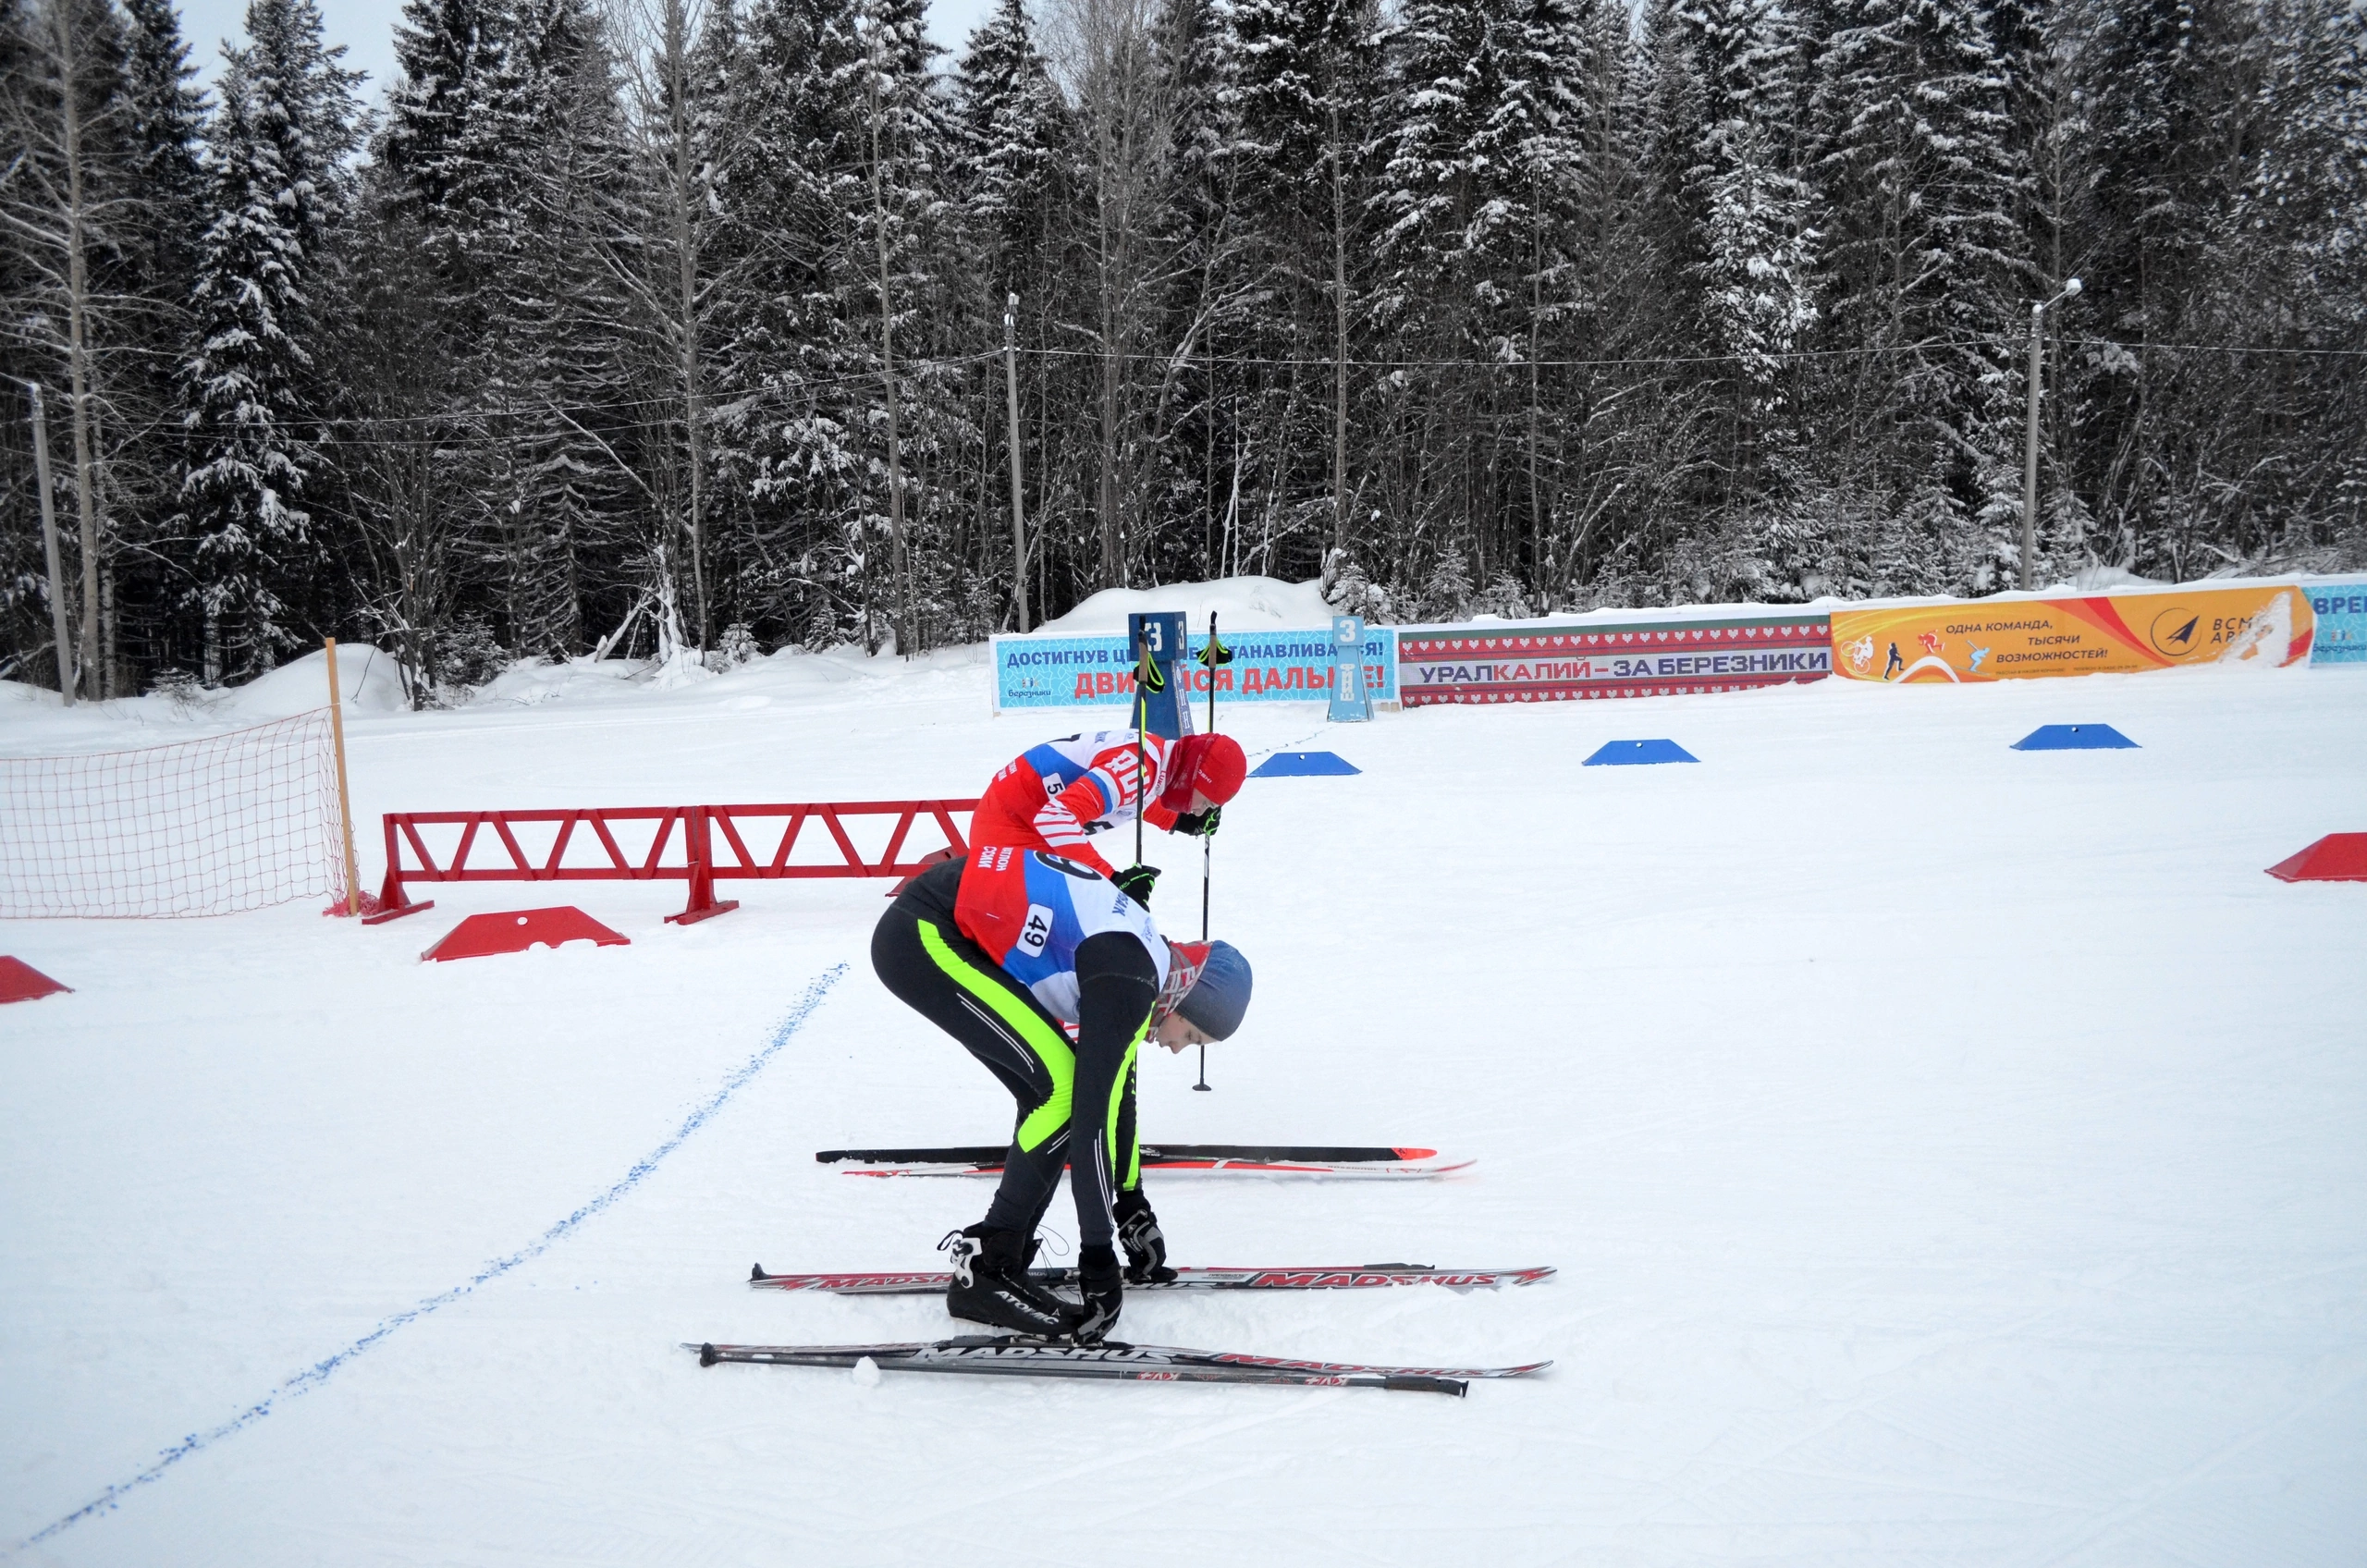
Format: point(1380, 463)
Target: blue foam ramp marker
point(1636, 753)
point(2073, 738)
point(1304, 764)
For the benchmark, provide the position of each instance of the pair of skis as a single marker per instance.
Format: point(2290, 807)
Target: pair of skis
point(1014, 1355)
point(1348, 1277)
point(1306, 1161)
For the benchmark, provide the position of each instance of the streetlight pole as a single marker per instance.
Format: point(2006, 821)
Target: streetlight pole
point(2030, 449)
point(1018, 508)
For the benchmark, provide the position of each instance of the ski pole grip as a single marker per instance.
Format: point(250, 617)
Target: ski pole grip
point(1424, 1385)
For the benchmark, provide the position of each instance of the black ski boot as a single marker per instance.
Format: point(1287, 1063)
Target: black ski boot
point(990, 1285)
point(1105, 1292)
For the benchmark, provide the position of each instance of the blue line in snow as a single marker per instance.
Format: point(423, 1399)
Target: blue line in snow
point(320, 1372)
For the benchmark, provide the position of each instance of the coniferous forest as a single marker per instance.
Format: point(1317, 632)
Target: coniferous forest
point(719, 325)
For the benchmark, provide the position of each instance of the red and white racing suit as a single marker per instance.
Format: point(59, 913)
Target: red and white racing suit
point(1053, 796)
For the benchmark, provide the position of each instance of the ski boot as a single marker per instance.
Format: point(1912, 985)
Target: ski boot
point(991, 1286)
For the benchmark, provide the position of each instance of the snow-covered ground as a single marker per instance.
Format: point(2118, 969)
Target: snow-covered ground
point(1952, 1155)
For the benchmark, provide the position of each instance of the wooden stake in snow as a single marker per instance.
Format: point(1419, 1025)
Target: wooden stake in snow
point(344, 798)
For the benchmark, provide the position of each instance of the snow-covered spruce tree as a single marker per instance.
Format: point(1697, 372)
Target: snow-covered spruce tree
point(246, 462)
point(1631, 445)
point(452, 119)
point(153, 270)
point(1441, 220)
point(1110, 69)
point(451, 173)
point(790, 417)
point(103, 209)
point(506, 141)
point(1446, 592)
point(1756, 245)
point(676, 66)
point(1015, 142)
point(276, 152)
point(1481, 185)
point(63, 211)
point(1304, 86)
point(1756, 278)
point(1203, 306)
point(1925, 267)
point(575, 533)
point(904, 130)
point(2294, 254)
point(1010, 180)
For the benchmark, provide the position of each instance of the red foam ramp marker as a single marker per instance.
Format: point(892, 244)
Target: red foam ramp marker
point(481, 935)
point(20, 982)
point(2338, 857)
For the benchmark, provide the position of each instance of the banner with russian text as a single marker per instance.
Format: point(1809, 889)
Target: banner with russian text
point(1095, 669)
point(1641, 658)
point(2269, 624)
point(2341, 611)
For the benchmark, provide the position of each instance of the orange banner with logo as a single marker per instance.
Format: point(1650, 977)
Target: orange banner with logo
point(2010, 639)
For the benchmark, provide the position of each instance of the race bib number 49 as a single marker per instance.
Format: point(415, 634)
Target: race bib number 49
point(1038, 931)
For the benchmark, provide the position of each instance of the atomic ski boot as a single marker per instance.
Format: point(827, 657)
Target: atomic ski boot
point(991, 1286)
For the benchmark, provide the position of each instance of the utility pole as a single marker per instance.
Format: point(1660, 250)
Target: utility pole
point(49, 545)
point(2030, 449)
point(1011, 396)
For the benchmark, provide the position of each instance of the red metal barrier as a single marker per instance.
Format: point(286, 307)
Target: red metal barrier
point(712, 845)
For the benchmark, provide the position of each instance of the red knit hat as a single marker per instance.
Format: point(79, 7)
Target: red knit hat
point(1211, 763)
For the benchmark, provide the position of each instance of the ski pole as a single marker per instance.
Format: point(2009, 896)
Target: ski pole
point(1147, 680)
point(1211, 656)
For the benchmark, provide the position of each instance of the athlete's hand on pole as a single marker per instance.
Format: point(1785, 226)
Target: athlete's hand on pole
point(1199, 823)
point(1145, 1243)
point(1135, 883)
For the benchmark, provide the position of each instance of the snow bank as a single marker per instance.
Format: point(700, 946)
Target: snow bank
point(33, 722)
point(534, 684)
point(1248, 604)
point(367, 679)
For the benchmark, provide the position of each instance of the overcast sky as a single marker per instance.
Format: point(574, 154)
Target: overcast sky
point(366, 27)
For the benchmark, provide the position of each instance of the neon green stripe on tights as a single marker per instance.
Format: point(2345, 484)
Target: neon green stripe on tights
point(1050, 1047)
point(1118, 1098)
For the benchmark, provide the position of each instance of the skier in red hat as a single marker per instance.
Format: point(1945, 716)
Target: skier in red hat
point(1054, 796)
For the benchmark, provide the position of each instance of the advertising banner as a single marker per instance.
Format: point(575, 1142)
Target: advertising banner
point(1095, 669)
point(1643, 659)
point(2115, 633)
point(2341, 609)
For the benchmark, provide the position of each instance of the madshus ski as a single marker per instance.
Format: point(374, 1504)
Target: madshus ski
point(1353, 1276)
point(1325, 1162)
point(1012, 1356)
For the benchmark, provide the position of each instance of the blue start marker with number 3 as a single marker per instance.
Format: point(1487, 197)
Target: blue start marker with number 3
point(1351, 698)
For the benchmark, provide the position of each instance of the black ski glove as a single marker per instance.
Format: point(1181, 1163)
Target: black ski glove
point(1198, 824)
point(1135, 883)
point(1145, 1243)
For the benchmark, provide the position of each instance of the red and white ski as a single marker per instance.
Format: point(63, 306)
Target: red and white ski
point(1318, 1162)
point(1346, 1276)
point(1007, 1356)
